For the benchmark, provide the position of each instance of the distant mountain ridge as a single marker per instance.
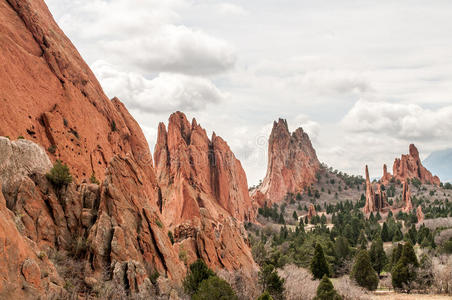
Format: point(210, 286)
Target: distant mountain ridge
point(440, 163)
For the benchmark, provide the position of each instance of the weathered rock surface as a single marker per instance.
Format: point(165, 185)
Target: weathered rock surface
point(406, 198)
point(375, 201)
point(419, 214)
point(204, 195)
point(311, 211)
point(387, 177)
point(49, 95)
point(292, 163)
point(409, 166)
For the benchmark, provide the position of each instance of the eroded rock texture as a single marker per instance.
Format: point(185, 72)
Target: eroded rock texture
point(292, 163)
point(375, 201)
point(49, 95)
point(406, 198)
point(204, 195)
point(419, 214)
point(409, 166)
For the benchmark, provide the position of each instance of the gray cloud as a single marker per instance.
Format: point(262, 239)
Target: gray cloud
point(165, 93)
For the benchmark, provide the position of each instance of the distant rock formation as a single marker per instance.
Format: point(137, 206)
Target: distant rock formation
point(419, 214)
point(292, 163)
point(406, 198)
point(386, 179)
point(204, 194)
point(311, 211)
point(409, 166)
point(375, 201)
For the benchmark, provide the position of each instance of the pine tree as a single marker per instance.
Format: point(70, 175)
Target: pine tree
point(295, 216)
point(319, 265)
point(363, 273)
point(214, 288)
point(385, 233)
point(362, 240)
point(404, 273)
point(378, 255)
point(326, 291)
point(271, 282)
point(198, 273)
point(341, 248)
point(265, 296)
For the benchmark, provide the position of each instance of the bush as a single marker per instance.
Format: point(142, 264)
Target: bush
point(214, 288)
point(363, 273)
point(59, 175)
point(198, 273)
point(404, 273)
point(319, 265)
point(265, 296)
point(271, 281)
point(93, 179)
point(326, 290)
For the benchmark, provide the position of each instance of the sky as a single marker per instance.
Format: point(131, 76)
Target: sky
point(363, 78)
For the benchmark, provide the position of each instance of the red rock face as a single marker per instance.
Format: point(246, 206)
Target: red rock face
point(410, 166)
point(406, 198)
point(49, 95)
point(375, 201)
point(204, 194)
point(386, 179)
point(420, 214)
point(292, 163)
point(311, 211)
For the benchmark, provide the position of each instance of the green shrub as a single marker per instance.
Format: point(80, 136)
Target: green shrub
point(363, 273)
point(154, 276)
point(214, 288)
point(20, 137)
point(93, 179)
point(197, 274)
point(271, 282)
point(265, 296)
point(319, 265)
point(59, 175)
point(326, 291)
point(171, 237)
point(52, 149)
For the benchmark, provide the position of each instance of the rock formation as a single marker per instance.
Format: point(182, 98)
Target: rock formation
point(409, 166)
point(204, 194)
point(116, 232)
point(406, 198)
point(49, 95)
point(419, 214)
point(375, 201)
point(387, 177)
point(311, 211)
point(292, 163)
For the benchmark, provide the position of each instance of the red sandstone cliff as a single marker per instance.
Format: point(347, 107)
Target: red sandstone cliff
point(409, 166)
point(204, 194)
point(116, 231)
point(49, 95)
point(292, 164)
point(375, 201)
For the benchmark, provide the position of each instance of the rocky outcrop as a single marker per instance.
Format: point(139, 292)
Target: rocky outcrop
point(204, 195)
point(375, 201)
point(406, 198)
point(409, 166)
point(387, 177)
point(419, 214)
point(49, 95)
point(292, 163)
point(311, 211)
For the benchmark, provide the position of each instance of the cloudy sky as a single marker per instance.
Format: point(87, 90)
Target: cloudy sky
point(363, 78)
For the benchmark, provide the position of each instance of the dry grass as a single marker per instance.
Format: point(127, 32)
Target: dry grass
point(390, 295)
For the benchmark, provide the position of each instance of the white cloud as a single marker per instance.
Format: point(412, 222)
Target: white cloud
point(231, 8)
point(404, 121)
point(165, 93)
point(144, 36)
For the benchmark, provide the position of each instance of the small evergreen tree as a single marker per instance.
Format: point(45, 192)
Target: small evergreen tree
point(404, 273)
point(385, 233)
point(294, 215)
point(59, 175)
point(363, 273)
point(214, 288)
point(319, 265)
point(362, 240)
point(265, 296)
point(271, 282)
point(326, 291)
point(378, 255)
point(197, 274)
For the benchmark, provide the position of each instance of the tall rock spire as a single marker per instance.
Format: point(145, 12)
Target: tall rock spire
point(292, 164)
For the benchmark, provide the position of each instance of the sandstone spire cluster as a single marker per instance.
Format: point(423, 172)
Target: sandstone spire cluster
point(409, 166)
point(292, 164)
point(311, 211)
point(375, 201)
point(406, 198)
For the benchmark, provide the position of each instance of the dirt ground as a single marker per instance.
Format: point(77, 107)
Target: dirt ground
point(391, 295)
